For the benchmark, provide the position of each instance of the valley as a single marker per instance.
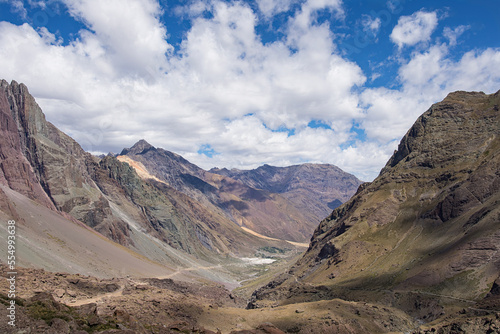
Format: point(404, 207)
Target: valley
point(144, 241)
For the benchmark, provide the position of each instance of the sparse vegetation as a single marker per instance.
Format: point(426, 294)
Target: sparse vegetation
point(44, 311)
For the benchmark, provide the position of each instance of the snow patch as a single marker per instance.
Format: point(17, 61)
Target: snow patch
point(256, 260)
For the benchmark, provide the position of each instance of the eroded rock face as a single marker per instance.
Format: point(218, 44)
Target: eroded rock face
point(48, 166)
point(16, 170)
point(428, 226)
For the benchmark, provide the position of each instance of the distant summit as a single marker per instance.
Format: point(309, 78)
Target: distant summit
point(315, 188)
point(277, 202)
point(141, 147)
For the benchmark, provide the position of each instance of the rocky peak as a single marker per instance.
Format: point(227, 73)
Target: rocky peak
point(317, 177)
point(141, 147)
point(448, 132)
point(26, 114)
point(314, 188)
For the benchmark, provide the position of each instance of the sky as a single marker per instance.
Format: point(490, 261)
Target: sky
point(239, 84)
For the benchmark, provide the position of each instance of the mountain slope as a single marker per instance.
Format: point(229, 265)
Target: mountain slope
point(15, 168)
point(315, 189)
point(284, 207)
point(426, 232)
point(46, 239)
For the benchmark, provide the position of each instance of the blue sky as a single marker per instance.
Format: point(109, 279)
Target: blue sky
point(238, 84)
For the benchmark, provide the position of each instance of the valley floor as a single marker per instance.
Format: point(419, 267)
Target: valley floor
point(72, 303)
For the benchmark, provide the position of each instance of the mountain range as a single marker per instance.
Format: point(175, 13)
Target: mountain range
point(149, 200)
point(101, 239)
point(287, 203)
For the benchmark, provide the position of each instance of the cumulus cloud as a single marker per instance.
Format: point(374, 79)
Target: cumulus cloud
point(272, 7)
point(432, 72)
point(414, 29)
point(308, 11)
point(222, 72)
point(134, 38)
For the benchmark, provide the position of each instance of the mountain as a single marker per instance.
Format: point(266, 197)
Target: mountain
point(38, 181)
point(17, 125)
point(286, 204)
point(149, 217)
point(315, 189)
point(424, 236)
point(414, 251)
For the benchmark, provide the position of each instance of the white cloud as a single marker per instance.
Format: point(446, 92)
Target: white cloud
point(434, 74)
point(414, 29)
point(272, 7)
point(477, 71)
point(424, 67)
point(454, 34)
point(17, 6)
point(366, 159)
point(100, 81)
point(224, 88)
point(425, 79)
point(307, 14)
point(390, 113)
point(371, 24)
point(134, 38)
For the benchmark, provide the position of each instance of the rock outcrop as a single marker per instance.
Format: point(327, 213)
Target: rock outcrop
point(16, 153)
point(51, 167)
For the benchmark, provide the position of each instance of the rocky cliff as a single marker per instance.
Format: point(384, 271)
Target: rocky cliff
point(61, 168)
point(16, 153)
point(425, 234)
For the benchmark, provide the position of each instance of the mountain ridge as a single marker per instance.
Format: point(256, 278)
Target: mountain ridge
point(324, 186)
point(149, 218)
point(425, 232)
point(259, 209)
point(154, 217)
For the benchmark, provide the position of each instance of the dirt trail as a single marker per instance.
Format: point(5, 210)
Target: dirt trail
point(117, 293)
point(194, 268)
point(96, 299)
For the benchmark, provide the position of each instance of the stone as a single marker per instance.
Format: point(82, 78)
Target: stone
point(59, 293)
